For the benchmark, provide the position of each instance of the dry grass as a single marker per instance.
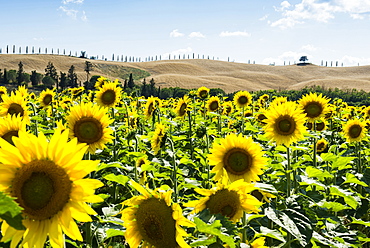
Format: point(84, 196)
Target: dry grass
point(228, 76)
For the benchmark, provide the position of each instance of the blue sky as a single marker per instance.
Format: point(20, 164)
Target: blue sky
point(242, 30)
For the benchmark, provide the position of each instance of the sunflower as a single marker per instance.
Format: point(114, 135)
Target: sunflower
point(229, 200)
point(46, 98)
point(366, 112)
point(108, 95)
point(227, 108)
point(14, 104)
point(150, 106)
point(32, 96)
point(182, 106)
point(279, 100)
point(76, 92)
point(354, 130)
point(314, 106)
point(22, 90)
point(90, 124)
point(203, 92)
point(213, 104)
point(66, 103)
point(321, 145)
point(285, 123)
point(46, 178)
point(159, 137)
point(141, 163)
point(10, 126)
point(100, 82)
point(242, 99)
point(152, 219)
point(239, 156)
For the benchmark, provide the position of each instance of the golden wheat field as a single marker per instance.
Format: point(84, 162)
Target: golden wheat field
point(194, 73)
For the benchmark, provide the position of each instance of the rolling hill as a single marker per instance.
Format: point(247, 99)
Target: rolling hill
point(194, 73)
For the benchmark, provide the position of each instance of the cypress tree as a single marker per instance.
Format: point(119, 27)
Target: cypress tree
point(20, 73)
point(131, 83)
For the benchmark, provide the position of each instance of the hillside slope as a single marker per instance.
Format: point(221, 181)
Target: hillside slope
point(228, 76)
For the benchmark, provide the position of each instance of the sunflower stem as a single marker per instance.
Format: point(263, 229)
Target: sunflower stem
point(136, 149)
point(359, 165)
point(115, 135)
point(190, 137)
point(208, 166)
point(34, 114)
point(174, 174)
point(244, 230)
point(242, 126)
point(288, 170)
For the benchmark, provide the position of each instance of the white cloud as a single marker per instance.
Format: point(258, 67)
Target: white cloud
point(175, 33)
point(69, 12)
point(319, 11)
point(84, 17)
point(196, 35)
point(236, 33)
point(72, 1)
point(263, 17)
point(352, 61)
point(309, 47)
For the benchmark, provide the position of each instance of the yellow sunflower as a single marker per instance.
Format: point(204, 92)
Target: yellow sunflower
point(32, 96)
point(321, 145)
point(279, 100)
point(159, 137)
point(366, 112)
point(100, 82)
point(153, 220)
point(285, 123)
point(150, 106)
point(239, 156)
point(213, 104)
point(242, 99)
point(229, 200)
point(90, 124)
point(46, 178)
point(227, 108)
point(10, 126)
point(203, 92)
point(183, 106)
point(314, 106)
point(140, 163)
point(14, 104)
point(354, 130)
point(22, 90)
point(108, 95)
point(76, 92)
point(46, 98)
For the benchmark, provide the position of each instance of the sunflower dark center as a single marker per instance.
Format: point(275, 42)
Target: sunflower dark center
point(242, 100)
point(155, 223)
point(355, 131)
point(9, 136)
point(15, 109)
point(320, 126)
point(320, 146)
point(203, 94)
point(42, 188)
point(47, 99)
point(225, 202)
point(182, 110)
point(285, 125)
point(313, 109)
point(108, 97)
point(237, 161)
point(88, 130)
point(213, 106)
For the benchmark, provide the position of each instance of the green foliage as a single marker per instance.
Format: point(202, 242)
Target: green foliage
point(10, 211)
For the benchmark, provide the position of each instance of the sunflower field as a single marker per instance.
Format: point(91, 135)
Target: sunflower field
point(104, 169)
